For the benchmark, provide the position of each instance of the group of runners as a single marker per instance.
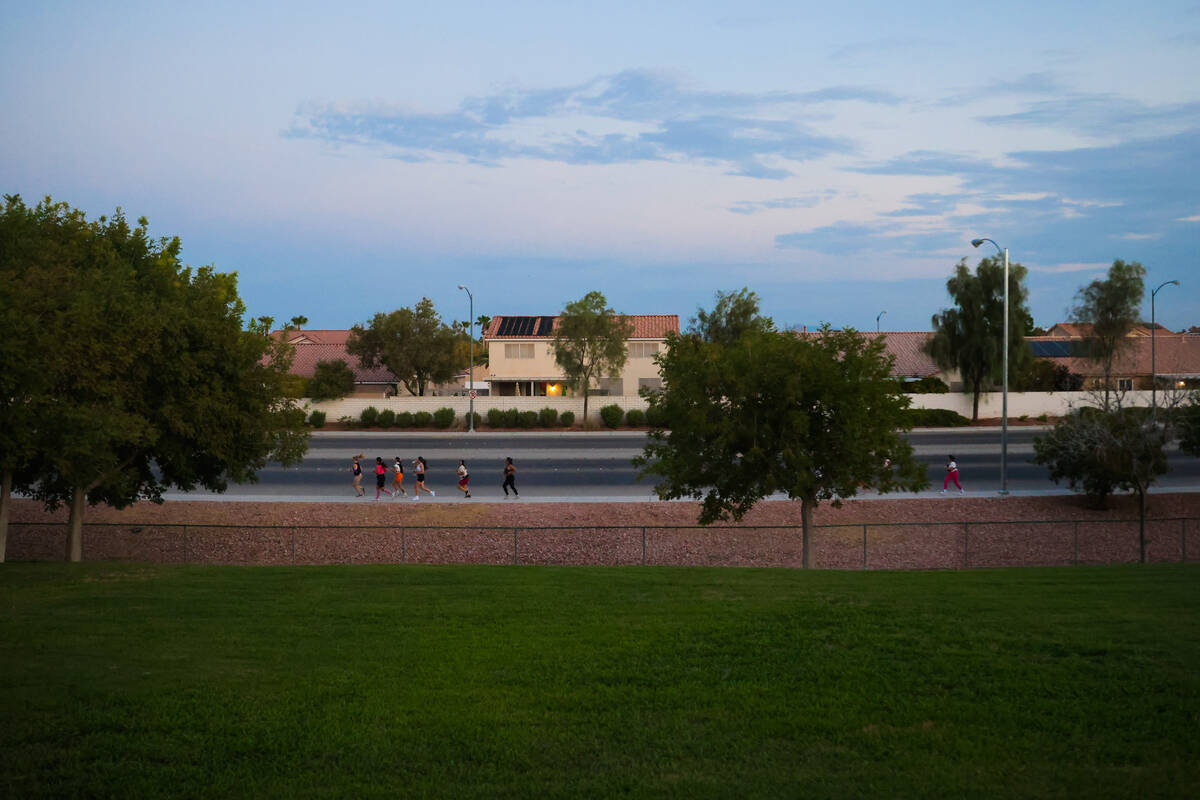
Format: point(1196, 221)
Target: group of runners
point(419, 469)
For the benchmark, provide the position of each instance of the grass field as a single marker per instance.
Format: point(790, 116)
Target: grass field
point(576, 682)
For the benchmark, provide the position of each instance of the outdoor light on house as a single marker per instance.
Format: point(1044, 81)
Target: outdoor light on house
point(553, 390)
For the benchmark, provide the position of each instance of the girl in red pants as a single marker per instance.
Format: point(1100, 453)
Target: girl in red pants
point(951, 475)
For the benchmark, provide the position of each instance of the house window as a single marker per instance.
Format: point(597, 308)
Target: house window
point(518, 351)
point(1124, 384)
point(643, 349)
point(654, 384)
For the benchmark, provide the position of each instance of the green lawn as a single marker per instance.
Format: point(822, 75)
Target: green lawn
point(457, 682)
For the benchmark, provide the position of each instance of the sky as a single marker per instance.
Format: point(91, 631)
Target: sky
point(837, 159)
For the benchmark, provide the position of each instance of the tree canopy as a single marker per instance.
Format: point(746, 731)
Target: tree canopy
point(331, 380)
point(589, 342)
point(141, 376)
point(817, 417)
point(734, 314)
point(412, 343)
point(970, 336)
point(1112, 307)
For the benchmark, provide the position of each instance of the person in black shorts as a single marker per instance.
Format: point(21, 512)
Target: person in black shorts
point(510, 475)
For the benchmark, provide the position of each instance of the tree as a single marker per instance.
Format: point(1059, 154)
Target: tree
point(589, 342)
point(1111, 306)
point(1043, 375)
point(734, 314)
point(816, 417)
point(1099, 450)
point(154, 382)
point(331, 380)
point(413, 343)
point(970, 336)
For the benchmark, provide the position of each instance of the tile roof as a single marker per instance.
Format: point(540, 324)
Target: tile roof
point(1080, 330)
point(1174, 354)
point(645, 326)
point(908, 347)
point(307, 356)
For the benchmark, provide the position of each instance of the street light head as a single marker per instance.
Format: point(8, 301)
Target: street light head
point(461, 286)
point(1175, 282)
point(976, 242)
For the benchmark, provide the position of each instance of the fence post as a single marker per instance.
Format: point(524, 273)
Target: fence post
point(1075, 547)
point(403, 548)
point(515, 561)
point(643, 545)
point(864, 546)
point(966, 544)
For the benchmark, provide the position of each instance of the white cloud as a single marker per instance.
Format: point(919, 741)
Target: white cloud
point(1193, 218)
point(1068, 267)
point(1138, 237)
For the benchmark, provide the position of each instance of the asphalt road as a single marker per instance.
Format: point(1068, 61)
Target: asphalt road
point(596, 466)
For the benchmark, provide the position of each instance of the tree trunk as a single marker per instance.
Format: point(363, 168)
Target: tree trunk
point(585, 399)
point(5, 502)
point(1142, 524)
point(75, 526)
point(975, 403)
point(806, 507)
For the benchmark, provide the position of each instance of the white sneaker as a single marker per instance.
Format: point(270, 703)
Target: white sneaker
point(943, 491)
point(416, 497)
point(432, 493)
point(960, 491)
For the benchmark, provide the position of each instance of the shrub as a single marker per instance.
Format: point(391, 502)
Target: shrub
point(548, 417)
point(567, 418)
point(656, 417)
point(635, 418)
point(348, 421)
point(936, 418)
point(369, 417)
point(421, 419)
point(404, 419)
point(387, 418)
point(444, 417)
point(495, 418)
point(510, 417)
point(927, 385)
point(317, 419)
point(612, 415)
point(295, 386)
point(331, 380)
point(527, 419)
point(478, 419)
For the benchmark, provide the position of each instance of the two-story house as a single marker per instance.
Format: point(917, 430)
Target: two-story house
point(521, 362)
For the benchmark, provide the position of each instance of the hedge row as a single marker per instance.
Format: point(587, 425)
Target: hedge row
point(444, 418)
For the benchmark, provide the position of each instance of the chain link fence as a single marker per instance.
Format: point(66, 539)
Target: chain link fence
point(907, 545)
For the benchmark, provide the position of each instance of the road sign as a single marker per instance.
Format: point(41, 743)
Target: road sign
point(473, 394)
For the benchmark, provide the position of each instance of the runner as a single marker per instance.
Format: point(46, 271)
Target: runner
point(419, 468)
point(510, 474)
point(398, 478)
point(356, 471)
point(951, 475)
point(380, 478)
point(464, 479)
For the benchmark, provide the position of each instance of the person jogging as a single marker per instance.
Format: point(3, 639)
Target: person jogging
point(510, 478)
point(381, 478)
point(951, 475)
point(419, 468)
point(398, 478)
point(464, 479)
point(356, 471)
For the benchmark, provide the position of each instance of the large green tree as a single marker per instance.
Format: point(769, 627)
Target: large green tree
point(413, 343)
point(970, 336)
point(152, 382)
point(817, 417)
point(1111, 307)
point(331, 380)
point(734, 314)
point(589, 342)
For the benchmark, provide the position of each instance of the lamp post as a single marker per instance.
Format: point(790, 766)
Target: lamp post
point(1004, 368)
point(1153, 366)
point(471, 366)
point(877, 316)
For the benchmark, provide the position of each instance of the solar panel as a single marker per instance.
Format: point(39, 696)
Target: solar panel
point(1051, 349)
point(525, 326)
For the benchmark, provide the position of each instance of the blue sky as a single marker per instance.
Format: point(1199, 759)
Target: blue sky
point(837, 161)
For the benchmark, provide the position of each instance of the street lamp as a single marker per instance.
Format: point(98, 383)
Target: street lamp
point(1004, 403)
point(877, 316)
point(471, 366)
point(1153, 370)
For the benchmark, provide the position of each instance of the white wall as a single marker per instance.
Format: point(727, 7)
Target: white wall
point(353, 406)
point(1030, 404)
